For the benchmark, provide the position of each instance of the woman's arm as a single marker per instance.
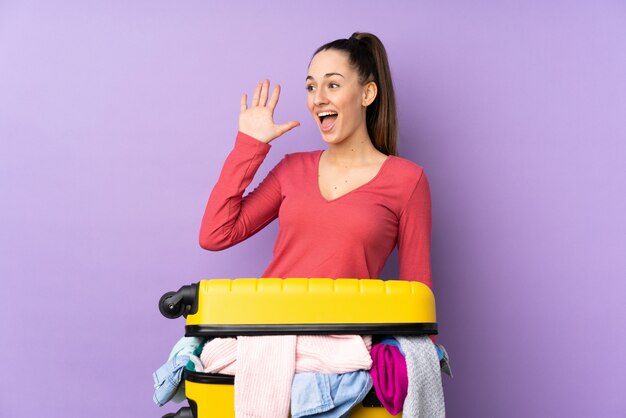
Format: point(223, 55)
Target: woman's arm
point(415, 234)
point(230, 218)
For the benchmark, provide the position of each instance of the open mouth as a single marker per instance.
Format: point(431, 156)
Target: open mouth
point(327, 119)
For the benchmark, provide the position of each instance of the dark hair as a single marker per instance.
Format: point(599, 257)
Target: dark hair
point(367, 55)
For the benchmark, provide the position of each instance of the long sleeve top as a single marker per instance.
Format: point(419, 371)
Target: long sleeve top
point(347, 237)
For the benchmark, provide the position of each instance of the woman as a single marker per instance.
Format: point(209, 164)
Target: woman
point(341, 210)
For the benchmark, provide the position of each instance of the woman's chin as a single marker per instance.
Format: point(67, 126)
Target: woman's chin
point(330, 138)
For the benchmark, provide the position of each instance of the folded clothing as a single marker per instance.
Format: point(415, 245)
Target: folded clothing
point(168, 383)
point(442, 354)
point(220, 356)
point(314, 353)
point(319, 395)
point(389, 376)
point(265, 368)
point(425, 391)
point(167, 379)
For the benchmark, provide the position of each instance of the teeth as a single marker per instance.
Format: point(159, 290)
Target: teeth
point(322, 114)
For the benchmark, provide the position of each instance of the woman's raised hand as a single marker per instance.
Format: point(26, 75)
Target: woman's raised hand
point(258, 119)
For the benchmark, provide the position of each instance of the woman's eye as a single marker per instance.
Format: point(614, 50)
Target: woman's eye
point(310, 88)
point(334, 85)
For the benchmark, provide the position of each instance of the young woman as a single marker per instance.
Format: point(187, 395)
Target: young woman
point(341, 210)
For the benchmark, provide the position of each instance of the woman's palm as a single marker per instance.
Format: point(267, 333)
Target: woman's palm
point(258, 119)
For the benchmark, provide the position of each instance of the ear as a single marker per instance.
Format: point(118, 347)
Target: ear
point(370, 90)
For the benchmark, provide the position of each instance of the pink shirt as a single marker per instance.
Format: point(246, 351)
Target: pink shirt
point(347, 237)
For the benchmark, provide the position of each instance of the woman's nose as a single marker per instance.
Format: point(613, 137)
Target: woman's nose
point(320, 97)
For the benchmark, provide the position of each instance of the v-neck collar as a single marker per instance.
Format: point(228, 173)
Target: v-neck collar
point(317, 179)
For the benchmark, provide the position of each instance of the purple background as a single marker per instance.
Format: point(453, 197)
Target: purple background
point(115, 118)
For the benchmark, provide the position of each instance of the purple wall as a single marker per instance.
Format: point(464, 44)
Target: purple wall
point(115, 119)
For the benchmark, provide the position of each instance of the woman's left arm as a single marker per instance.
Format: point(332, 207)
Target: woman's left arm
point(414, 235)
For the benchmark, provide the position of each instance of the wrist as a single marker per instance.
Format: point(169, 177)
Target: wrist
point(254, 136)
point(249, 141)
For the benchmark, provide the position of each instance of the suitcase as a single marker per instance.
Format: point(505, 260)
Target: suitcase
point(226, 308)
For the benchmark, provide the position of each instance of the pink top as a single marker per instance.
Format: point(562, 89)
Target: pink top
point(347, 237)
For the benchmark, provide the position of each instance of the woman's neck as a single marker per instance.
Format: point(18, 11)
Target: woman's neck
point(354, 150)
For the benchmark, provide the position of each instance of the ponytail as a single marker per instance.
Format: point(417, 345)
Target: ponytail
point(368, 56)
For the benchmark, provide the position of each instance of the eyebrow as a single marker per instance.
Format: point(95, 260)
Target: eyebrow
point(310, 77)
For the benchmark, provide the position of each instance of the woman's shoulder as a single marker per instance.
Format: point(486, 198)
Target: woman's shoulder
point(299, 162)
point(405, 167)
point(303, 155)
point(302, 159)
point(404, 178)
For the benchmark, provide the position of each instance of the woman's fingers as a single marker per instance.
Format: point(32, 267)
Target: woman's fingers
point(244, 102)
point(274, 99)
point(256, 96)
point(286, 127)
point(261, 93)
point(265, 87)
